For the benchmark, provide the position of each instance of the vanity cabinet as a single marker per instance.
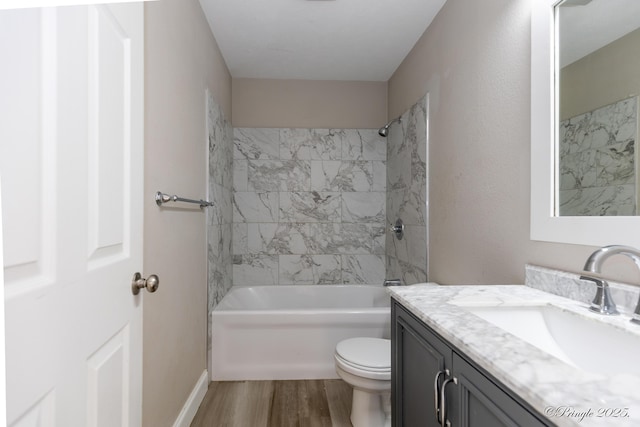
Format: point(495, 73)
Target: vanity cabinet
point(423, 364)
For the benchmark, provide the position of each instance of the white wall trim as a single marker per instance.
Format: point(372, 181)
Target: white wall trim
point(193, 402)
point(3, 379)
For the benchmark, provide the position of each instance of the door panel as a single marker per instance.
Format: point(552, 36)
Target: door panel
point(24, 139)
point(108, 389)
point(482, 403)
point(109, 89)
point(39, 415)
point(71, 166)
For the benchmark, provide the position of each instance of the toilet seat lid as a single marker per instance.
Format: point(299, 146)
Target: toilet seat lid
point(374, 353)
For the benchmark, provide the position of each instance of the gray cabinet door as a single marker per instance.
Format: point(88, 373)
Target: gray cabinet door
point(481, 403)
point(474, 400)
point(416, 359)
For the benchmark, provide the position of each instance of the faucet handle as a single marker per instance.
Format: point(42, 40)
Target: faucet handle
point(603, 302)
point(393, 282)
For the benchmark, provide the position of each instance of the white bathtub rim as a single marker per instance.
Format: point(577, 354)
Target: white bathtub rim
point(284, 290)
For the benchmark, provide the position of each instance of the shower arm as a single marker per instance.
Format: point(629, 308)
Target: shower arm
point(384, 131)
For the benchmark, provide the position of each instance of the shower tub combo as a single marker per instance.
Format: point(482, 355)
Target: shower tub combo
point(290, 332)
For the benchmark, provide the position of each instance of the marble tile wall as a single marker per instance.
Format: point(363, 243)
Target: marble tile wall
point(309, 206)
point(220, 215)
point(569, 285)
point(597, 161)
point(406, 196)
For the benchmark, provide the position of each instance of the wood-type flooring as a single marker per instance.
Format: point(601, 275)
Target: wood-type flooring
point(300, 403)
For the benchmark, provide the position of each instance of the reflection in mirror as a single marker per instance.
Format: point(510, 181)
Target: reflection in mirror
point(598, 75)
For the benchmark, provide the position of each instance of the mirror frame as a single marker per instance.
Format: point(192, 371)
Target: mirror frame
point(545, 226)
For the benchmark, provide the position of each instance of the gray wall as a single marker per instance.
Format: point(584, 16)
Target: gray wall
point(310, 104)
point(610, 73)
point(474, 61)
point(182, 60)
point(309, 206)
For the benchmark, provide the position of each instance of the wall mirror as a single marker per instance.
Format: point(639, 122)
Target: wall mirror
point(585, 81)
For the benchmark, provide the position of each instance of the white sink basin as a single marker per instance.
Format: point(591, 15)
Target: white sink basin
point(583, 342)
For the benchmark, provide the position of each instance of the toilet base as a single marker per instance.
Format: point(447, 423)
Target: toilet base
point(370, 409)
point(370, 378)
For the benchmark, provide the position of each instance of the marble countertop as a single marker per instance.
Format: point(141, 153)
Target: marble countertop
point(567, 395)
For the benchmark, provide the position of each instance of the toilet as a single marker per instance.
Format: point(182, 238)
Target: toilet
point(365, 364)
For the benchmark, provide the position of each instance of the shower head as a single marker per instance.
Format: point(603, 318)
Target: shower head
point(384, 131)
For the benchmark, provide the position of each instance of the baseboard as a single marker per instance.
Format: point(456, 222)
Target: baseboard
point(192, 404)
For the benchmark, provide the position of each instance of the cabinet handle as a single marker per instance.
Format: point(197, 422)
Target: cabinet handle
point(436, 392)
point(443, 401)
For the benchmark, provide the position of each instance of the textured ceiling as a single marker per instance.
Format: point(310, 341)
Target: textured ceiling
point(317, 39)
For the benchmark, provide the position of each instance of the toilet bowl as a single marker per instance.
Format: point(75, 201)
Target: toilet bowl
point(365, 364)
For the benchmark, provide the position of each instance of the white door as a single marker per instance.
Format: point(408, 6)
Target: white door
point(71, 157)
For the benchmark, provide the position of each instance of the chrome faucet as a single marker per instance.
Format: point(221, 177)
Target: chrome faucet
point(393, 282)
point(603, 303)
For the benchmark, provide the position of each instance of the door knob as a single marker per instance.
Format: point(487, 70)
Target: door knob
point(138, 282)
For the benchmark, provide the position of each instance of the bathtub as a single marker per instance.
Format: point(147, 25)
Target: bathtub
point(290, 332)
